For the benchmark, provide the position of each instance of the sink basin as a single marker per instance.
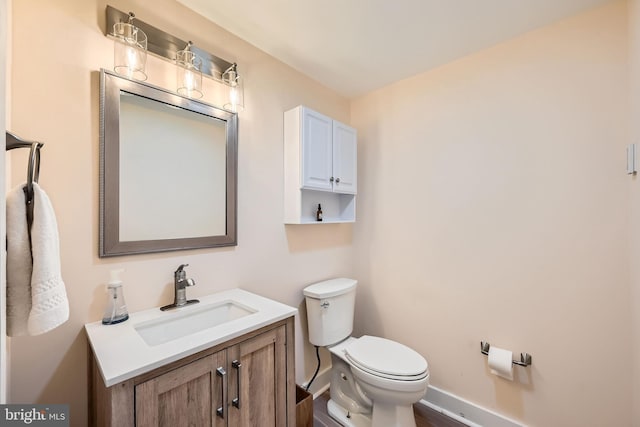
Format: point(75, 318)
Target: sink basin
point(190, 320)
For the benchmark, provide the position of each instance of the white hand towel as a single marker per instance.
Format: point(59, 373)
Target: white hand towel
point(50, 307)
point(18, 264)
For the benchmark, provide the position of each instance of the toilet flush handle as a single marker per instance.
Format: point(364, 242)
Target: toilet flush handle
point(325, 304)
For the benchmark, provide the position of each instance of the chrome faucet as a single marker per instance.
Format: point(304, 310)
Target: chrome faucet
point(180, 283)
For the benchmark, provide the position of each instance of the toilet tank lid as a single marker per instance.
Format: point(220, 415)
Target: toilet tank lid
point(330, 288)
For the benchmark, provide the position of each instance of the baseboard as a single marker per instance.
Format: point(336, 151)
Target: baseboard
point(464, 411)
point(439, 400)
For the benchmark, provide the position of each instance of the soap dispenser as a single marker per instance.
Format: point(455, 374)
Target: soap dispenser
point(116, 310)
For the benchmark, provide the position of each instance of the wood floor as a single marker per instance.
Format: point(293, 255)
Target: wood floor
point(425, 417)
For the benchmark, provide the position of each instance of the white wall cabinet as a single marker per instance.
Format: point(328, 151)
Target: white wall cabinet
point(320, 161)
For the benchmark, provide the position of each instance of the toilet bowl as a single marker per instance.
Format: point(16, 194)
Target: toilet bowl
point(374, 381)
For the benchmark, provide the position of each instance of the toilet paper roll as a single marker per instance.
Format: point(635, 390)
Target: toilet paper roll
point(500, 362)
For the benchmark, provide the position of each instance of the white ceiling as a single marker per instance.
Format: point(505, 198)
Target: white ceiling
point(355, 46)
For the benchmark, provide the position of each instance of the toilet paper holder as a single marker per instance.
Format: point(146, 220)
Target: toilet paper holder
point(525, 358)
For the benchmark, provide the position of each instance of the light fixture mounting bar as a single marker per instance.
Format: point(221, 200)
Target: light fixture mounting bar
point(166, 45)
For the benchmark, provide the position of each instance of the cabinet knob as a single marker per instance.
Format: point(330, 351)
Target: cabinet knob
point(337, 180)
point(331, 179)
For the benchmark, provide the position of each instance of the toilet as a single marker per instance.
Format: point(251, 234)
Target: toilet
point(374, 381)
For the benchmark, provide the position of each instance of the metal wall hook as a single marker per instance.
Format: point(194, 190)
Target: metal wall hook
point(525, 358)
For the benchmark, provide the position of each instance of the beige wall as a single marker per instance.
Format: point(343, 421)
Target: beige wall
point(493, 206)
point(634, 60)
point(59, 48)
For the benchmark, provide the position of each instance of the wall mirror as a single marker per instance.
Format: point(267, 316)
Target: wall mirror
point(168, 170)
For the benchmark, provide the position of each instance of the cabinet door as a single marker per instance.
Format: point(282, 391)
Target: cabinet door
point(258, 381)
point(187, 396)
point(344, 158)
point(316, 159)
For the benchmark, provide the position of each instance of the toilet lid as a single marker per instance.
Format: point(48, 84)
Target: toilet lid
point(386, 357)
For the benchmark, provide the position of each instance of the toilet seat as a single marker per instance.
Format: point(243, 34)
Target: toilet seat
point(386, 359)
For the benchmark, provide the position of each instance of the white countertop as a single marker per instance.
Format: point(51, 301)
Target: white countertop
point(121, 353)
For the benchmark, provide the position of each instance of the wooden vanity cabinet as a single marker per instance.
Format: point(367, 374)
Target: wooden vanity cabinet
point(246, 382)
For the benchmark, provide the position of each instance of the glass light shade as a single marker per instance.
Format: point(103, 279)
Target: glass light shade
point(235, 91)
point(188, 74)
point(129, 51)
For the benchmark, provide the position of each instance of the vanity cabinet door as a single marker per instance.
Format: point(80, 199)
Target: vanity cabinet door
point(258, 381)
point(186, 396)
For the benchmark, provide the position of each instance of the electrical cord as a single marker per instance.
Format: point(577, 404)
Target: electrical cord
point(315, 374)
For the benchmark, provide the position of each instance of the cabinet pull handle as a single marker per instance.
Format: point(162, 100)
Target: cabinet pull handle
point(237, 365)
point(337, 180)
point(223, 374)
point(331, 179)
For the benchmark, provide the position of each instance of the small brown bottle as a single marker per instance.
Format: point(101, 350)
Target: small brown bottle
point(319, 213)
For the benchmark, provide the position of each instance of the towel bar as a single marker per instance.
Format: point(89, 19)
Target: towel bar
point(525, 358)
point(33, 170)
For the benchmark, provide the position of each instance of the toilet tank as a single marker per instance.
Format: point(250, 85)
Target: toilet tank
point(330, 306)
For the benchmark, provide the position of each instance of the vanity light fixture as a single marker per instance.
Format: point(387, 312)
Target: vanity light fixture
point(191, 62)
point(189, 76)
point(235, 97)
point(129, 50)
